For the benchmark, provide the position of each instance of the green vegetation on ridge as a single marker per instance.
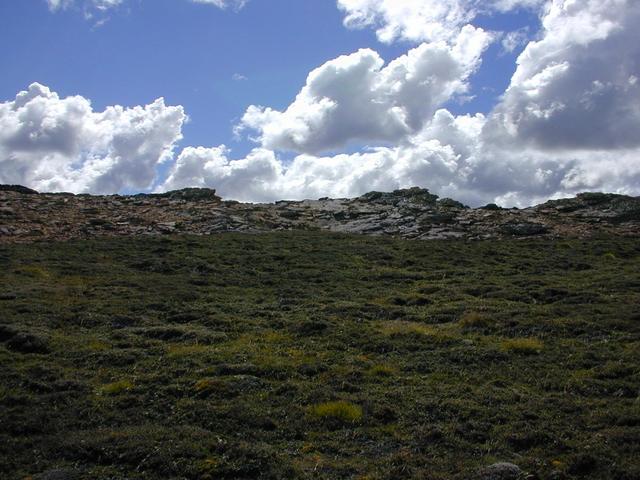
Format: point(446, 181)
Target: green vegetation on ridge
point(312, 355)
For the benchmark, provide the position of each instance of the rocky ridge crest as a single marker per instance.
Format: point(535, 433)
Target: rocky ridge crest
point(415, 213)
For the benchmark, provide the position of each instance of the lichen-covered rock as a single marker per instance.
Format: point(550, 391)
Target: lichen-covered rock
point(192, 194)
point(414, 195)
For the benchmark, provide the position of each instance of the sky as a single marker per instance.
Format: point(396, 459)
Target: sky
point(505, 101)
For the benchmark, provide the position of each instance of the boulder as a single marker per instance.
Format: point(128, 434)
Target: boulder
point(491, 207)
point(191, 195)
point(414, 195)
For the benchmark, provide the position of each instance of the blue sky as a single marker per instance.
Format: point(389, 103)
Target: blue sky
point(215, 63)
point(189, 53)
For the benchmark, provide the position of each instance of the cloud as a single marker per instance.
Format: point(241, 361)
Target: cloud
point(234, 4)
point(262, 176)
point(100, 5)
point(254, 178)
point(422, 20)
point(61, 144)
point(357, 98)
point(511, 41)
point(577, 87)
point(449, 156)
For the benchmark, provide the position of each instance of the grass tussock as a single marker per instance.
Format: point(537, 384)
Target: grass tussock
point(523, 346)
point(342, 411)
point(475, 320)
point(383, 371)
point(413, 329)
point(116, 388)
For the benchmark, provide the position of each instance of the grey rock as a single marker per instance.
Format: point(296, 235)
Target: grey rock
point(7, 212)
point(167, 227)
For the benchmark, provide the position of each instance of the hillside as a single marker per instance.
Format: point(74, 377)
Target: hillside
point(132, 350)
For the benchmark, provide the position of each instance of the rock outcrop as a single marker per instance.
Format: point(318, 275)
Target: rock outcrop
point(414, 213)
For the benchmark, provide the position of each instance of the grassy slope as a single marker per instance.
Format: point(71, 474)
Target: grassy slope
point(214, 357)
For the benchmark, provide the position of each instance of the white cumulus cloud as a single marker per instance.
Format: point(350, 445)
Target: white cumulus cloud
point(422, 20)
point(254, 178)
point(358, 98)
point(576, 87)
point(53, 144)
point(450, 156)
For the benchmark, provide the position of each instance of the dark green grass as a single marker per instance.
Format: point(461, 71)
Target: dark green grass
point(210, 358)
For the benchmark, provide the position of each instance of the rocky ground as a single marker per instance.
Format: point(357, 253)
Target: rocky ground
point(26, 215)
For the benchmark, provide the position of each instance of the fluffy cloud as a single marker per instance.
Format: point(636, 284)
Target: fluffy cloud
point(254, 178)
point(52, 143)
point(357, 98)
point(449, 156)
point(262, 176)
point(421, 20)
point(512, 40)
point(577, 87)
